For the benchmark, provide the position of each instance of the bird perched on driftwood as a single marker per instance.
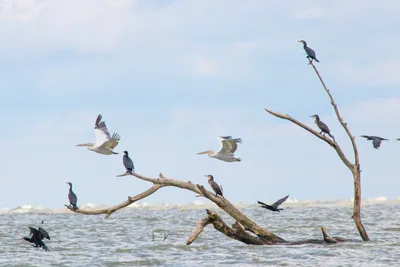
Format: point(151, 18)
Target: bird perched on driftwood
point(128, 163)
point(73, 199)
point(310, 53)
point(37, 236)
point(215, 187)
point(376, 140)
point(273, 207)
point(322, 126)
point(227, 150)
point(105, 143)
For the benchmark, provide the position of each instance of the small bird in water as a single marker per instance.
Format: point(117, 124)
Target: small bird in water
point(310, 53)
point(322, 126)
point(376, 140)
point(37, 236)
point(273, 207)
point(73, 199)
point(128, 163)
point(217, 188)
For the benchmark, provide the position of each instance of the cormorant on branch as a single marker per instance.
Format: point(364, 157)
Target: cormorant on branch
point(128, 163)
point(217, 189)
point(37, 236)
point(73, 199)
point(273, 207)
point(310, 53)
point(376, 140)
point(322, 126)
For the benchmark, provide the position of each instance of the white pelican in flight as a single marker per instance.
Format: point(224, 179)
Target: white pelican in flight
point(228, 147)
point(104, 142)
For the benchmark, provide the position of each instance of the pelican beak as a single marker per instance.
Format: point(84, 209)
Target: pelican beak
point(204, 152)
point(82, 145)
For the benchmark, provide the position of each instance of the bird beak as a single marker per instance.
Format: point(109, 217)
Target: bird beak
point(82, 145)
point(204, 152)
point(299, 41)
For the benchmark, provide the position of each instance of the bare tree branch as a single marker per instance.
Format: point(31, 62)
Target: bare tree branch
point(354, 168)
point(111, 210)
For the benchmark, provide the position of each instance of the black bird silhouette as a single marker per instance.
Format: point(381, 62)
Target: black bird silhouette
point(73, 199)
point(36, 237)
point(217, 188)
point(128, 163)
point(376, 140)
point(310, 53)
point(273, 207)
point(322, 126)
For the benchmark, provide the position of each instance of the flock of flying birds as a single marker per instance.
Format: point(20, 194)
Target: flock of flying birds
point(105, 143)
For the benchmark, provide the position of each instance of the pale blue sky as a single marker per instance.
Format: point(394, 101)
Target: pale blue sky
point(171, 76)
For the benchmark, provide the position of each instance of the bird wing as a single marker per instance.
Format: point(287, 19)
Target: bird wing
point(43, 233)
point(229, 145)
point(280, 201)
point(103, 137)
point(261, 203)
point(323, 126)
point(310, 52)
point(33, 230)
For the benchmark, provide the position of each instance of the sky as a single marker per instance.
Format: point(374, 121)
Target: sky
point(171, 75)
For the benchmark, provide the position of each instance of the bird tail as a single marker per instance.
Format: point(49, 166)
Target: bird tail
point(27, 239)
point(239, 140)
point(238, 159)
point(316, 60)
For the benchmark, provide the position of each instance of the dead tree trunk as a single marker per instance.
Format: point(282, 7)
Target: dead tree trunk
point(353, 167)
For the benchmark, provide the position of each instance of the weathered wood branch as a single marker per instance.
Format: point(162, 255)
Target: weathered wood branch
point(111, 210)
point(354, 168)
point(223, 203)
point(333, 144)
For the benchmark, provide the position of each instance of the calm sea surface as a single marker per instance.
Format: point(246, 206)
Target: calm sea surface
point(125, 239)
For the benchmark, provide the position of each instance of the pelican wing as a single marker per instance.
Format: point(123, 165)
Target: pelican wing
point(279, 202)
point(229, 145)
point(103, 137)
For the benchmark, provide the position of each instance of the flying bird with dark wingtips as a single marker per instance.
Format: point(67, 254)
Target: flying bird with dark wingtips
point(273, 207)
point(322, 126)
point(227, 149)
point(376, 140)
point(73, 199)
point(105, 143)
point(310, 53)
point(37, 236)
point(217, 188)
point(128, 163)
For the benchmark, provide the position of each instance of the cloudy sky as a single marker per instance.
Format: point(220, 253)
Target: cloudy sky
point(171, 75)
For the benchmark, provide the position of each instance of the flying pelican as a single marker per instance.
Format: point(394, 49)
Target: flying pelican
point(105, 143)
point(227, 150)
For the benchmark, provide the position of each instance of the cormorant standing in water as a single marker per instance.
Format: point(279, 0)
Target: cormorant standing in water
point(322, 126)
point(37, 237)
point(217, 189)
point(273, 207)
point(128, 163)
point(73, 199)
point(310, 53)
point(376, 140)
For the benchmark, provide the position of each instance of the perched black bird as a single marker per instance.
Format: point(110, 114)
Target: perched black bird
point(273, 207)
point(322, 126)
point(128, 163)
point(217, 189)
point(36, 237)
point(376, 140)
point(310, 53)
point(73, 199)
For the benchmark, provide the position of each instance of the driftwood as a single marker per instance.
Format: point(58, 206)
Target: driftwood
point(243, 230)
point(353, 167)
